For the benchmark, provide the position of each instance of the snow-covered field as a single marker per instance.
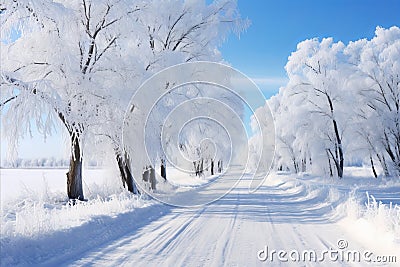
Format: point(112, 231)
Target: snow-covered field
point(289, 213)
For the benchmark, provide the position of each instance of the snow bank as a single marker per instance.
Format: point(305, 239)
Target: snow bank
point(34, 202)
point(29, 207)
point(368, 209)
point(375, 224)
point(30, 218)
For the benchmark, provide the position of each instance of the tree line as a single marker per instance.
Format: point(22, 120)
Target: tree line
point(75, 65)
point(341, 105)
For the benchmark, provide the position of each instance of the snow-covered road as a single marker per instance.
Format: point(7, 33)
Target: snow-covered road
point(283, 215)
point(292, 215)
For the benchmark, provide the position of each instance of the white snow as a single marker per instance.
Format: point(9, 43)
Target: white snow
point(184, 179)
point(289, 212)
point(77, 65)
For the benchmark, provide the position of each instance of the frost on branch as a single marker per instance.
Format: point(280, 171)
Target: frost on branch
point(75, 65)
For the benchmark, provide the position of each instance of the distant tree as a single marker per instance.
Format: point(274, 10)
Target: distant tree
point(289, 151)
point(184, 31)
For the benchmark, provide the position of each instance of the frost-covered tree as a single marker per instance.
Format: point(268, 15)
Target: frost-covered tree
point(377, 90)
point(63, 68)
point(168, 33)
point(184, 31)
point(317, 78)
point(291, 153)
point(340, 99)
point(77, 63)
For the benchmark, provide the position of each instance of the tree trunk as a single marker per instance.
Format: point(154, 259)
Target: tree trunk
point(126, 175)
point(74, 175)
point(153, 181)
point(220, 167)
point(304, 164)
point(201, 167)
point(373, 167)
point(212, 167)
point(195, 168)
point(163, 169)
point(383, 164)
point(295, 165)
point(329, 163)
point(146, 175)
point(340, 164)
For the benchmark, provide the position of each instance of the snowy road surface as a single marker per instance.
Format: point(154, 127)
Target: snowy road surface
point(293, 215)
point(230, 232)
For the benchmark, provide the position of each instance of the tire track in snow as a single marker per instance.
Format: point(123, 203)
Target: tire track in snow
point(171, 237)
point(227, 247)
point(230, 232)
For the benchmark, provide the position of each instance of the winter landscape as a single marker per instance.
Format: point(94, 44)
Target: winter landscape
point(155, 133)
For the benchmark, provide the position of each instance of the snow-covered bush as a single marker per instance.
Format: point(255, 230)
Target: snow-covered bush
point(374, 223)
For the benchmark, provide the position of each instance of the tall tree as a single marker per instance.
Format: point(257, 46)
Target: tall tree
point(315, 73)
point(66, 62)
point(79, 62)
point(336, 92)
point(377, 89)
point(184, 31)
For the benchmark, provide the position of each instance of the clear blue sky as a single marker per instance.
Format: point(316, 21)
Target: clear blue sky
point(276, 28)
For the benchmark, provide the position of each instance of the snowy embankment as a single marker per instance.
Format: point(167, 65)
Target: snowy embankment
point(372, 211)
point(39, 227)
point(369, 210)
point(37, 221)
point(34, 202)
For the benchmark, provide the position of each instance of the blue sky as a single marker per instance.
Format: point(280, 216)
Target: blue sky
point(276, 28)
